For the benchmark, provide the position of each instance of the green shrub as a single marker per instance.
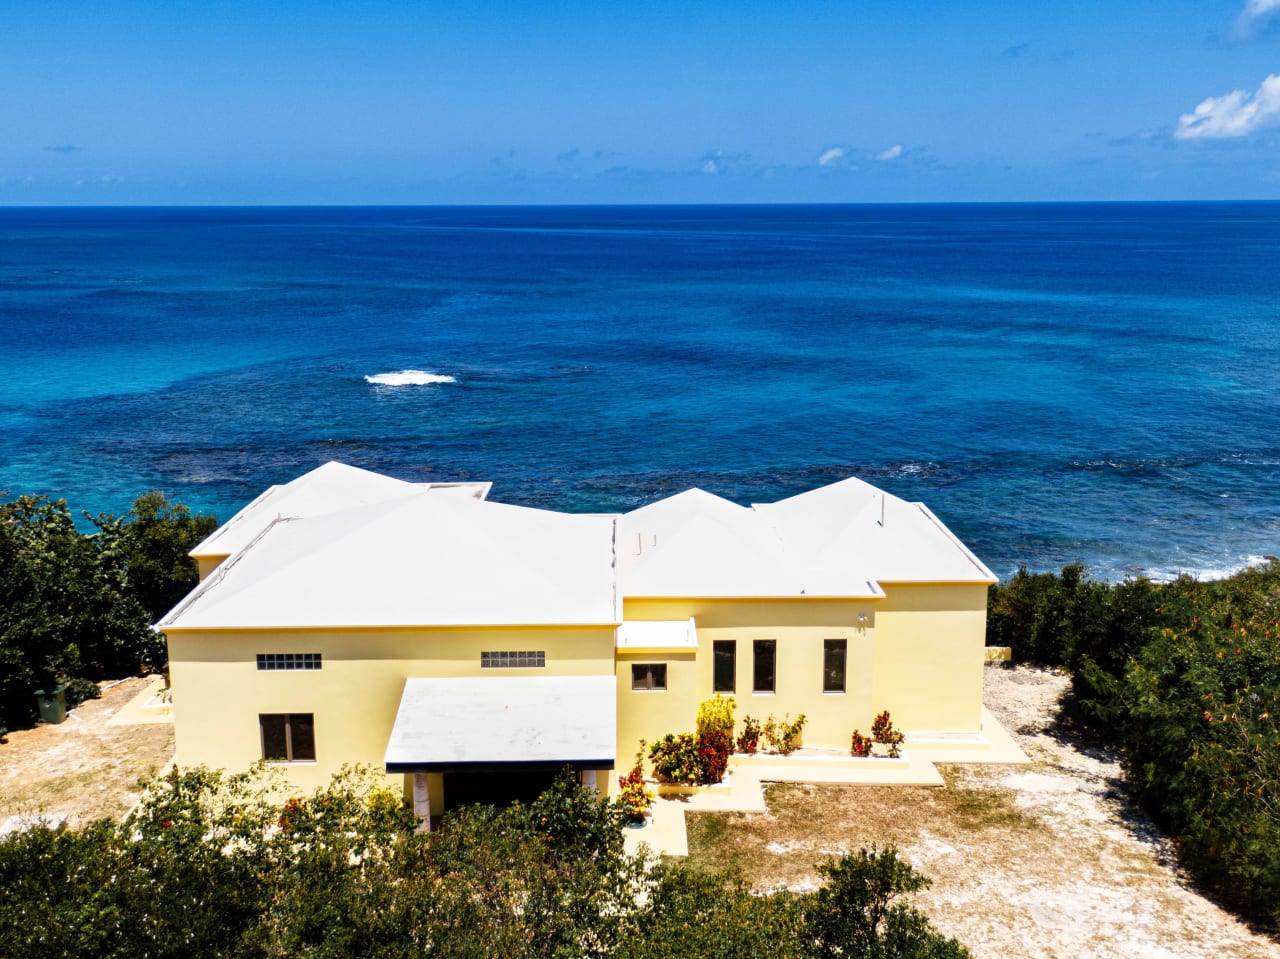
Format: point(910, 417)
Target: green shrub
point(749, 738)
point(675, 759)
point(856, 912)
point(784, 736)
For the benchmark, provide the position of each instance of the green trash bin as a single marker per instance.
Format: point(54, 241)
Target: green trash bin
point(53, 705)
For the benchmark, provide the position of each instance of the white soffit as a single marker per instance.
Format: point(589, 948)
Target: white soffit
point(482, 720)
point(674, 634)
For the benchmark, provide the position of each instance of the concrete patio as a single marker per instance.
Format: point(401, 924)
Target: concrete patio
point(742, 790)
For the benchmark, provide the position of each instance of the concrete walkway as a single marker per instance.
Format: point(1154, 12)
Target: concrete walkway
point(742, 789)
point(149, 706)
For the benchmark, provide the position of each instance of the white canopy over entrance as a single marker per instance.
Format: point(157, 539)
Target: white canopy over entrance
point(467, 722)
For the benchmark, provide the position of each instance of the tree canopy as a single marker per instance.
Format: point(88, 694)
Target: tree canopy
point(218, 866)
point(78, 607)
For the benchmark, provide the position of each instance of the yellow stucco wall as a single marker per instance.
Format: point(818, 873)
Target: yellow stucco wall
point(799, 628)
point(218, 691)
point(929, 655)
point(918, 653)
point(207, 564)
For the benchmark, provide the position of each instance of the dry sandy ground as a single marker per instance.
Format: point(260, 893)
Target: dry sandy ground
point(82, 769)
point(1046, 860)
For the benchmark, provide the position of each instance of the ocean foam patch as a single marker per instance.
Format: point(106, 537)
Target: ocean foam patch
point(409, 378)
point(1209, 573)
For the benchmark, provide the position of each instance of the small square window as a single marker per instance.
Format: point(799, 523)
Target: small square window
point(649, 676)
point(288, 737)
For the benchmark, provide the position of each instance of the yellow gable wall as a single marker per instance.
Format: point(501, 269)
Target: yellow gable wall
point(218, 691)
point(929, 655)
point(917, 653)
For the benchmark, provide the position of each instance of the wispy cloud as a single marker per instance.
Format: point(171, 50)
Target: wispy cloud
point(718, 161)
point(63, 148)
point(1234, 114)
point(831, 156)
point(892, 153)
point(1254, 12)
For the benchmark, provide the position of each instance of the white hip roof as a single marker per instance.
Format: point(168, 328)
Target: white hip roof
point(358, 550)
point(420, 560)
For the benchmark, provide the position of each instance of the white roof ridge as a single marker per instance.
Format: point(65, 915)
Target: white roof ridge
point(218, 575)
point(200, 549)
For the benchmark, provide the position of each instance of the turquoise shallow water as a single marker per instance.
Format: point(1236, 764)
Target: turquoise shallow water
point(1093, 382)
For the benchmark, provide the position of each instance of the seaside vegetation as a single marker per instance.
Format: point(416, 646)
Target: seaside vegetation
point(76, 608)
point(1184, 679)
point(215, 865)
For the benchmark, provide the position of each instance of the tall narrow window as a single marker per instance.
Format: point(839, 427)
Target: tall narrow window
point(725, 657)
point(766, 658)
point(835, 653)
point(288, 737)
point(649, 676)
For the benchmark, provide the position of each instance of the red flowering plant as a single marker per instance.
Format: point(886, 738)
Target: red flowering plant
point(632, 792)
point(883, 732)
point(749, 738)
point(861, 745)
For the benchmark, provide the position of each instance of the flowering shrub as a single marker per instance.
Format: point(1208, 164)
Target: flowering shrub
point(715, 737)
point(714, 747)
point(883, 732)
point(716, 715)
point(675, 759)
point(783, 736)
point(861, 745)
point(749, 738)
point(633, 794)
point(701, 758)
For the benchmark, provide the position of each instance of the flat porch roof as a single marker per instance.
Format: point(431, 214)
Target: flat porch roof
point(476, 722)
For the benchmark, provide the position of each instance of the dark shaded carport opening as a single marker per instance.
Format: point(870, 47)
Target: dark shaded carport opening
point(497, 786)
point(500, 784)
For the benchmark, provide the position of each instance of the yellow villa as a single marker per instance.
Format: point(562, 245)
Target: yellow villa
point(472, 647)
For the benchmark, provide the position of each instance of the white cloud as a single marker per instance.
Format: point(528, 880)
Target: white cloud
point(892, 153)
point(1255, 10)
point(834, 155)
point(718, 162)
point(1233, 114)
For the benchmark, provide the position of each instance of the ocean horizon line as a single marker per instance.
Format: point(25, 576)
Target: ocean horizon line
point(657, 205)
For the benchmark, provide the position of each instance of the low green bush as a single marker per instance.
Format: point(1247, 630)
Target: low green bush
point(784, 736)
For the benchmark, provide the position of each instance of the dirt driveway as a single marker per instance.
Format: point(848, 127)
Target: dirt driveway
point(1045, 860)
point(82, 769)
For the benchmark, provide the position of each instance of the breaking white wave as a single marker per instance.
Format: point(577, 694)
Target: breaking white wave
point(1207, 574)
point(409, 378)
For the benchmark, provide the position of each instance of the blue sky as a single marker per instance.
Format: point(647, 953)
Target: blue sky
point(564, 102)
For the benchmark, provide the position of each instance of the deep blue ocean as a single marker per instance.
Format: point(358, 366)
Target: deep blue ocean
point(1059, 382)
